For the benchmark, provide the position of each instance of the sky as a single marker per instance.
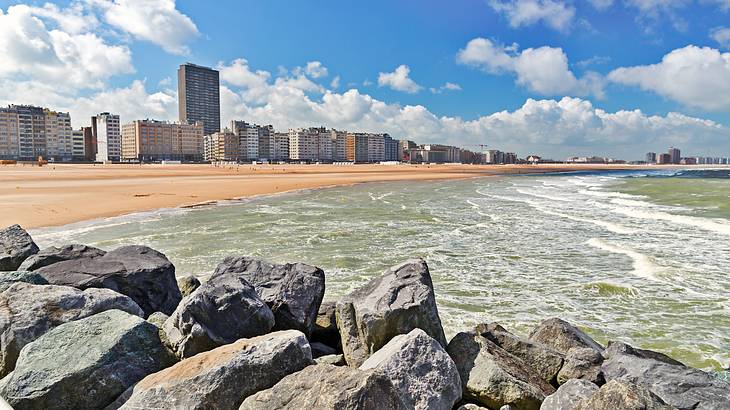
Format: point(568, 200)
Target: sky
point(556, 78)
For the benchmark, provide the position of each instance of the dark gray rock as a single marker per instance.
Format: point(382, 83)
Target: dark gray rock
point(85, 364)
point(400, 300)
point(28, 311)
point(9, 278)
point(325, 327)
point(420, 368)
point(292, 291)
point(582, 363)
point(222, 310)
point(188, 284)
point(319, 349)
point(327, 387)
point(562, 336)
point(223, 377)
point(15, 247)
point(49, 256)
point(141, 273)
point(621, 394)
point(333, 359)
point(569, 395)
point(493, 377)
point(677, 385)
point(546, 361)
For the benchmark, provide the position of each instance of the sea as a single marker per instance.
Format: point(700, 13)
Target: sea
point(638, 256)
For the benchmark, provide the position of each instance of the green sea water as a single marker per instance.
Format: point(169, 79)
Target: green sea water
point(625, 256)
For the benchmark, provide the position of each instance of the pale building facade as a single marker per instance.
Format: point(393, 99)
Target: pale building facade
point(151, 140)
point(107, 133)
point(28, 132)
point(221, 146)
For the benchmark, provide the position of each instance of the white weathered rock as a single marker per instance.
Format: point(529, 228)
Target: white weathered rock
point(327, 387)
point(493, 377)
point(223, 377)
point(400, 300)
point(420, 368)
point(569, 395)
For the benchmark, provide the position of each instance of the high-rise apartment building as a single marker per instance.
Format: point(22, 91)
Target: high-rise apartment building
point(198, 91)
point(279, 147)
point(248, 139)
point(356, 147)
point(339, 142)
point(651, 157)
point(28, 132)
point(222, 146)
point(151, 140)
point(310, 144)
point(392, 148)
point(674, 155)
point(107, 134)
point(78, 151)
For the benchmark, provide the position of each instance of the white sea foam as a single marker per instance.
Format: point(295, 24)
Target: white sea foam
point(610, 226)
point(713, 225)
point(543, 196)
point(643, 265)
point(605, 194)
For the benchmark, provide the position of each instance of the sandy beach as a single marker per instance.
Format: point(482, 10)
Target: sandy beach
point(60, 194)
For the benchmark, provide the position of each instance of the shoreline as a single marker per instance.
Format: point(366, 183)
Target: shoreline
point(62, 194)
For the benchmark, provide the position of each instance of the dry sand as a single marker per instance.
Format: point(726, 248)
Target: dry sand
point(59, 194)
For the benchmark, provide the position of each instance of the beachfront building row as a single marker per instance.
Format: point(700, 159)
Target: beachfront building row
point(28, 132)
point(246, 142)
point(152, 140)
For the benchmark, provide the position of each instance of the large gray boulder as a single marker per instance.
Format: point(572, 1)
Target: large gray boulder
point(624, 395)
point(188, 284)
point(569, 395)
point(223, 377)
point(562, 336)
point(222, 310)
point(15, 247)
point(420, 368)
point(677, 385)
point(545, 360)
point(54, 254)
point(141, 273)
point(400, 300)
point(327, 387)
point(582, 363)
point(7, 279)
point(85, 364)
point(493, 377)
point(292, 291)
point(28, 311)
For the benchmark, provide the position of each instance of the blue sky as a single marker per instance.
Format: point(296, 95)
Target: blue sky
point(554, 77)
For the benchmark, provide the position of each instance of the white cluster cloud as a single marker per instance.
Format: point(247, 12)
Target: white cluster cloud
point(694, 76)
point(542, 70)
point(399, 80)
point(315, 69)
point(556, 14)
point(30, 49)
point(156, 21)
point(549, 126)
point(722, 36)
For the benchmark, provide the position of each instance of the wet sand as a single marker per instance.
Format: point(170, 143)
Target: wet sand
point(54, 195)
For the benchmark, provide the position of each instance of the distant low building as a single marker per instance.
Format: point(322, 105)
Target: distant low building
point(651, 157)
point(663, 159)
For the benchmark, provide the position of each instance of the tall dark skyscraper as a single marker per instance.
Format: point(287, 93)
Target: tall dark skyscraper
point(199, 96)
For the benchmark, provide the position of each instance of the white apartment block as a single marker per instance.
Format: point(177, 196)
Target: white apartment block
point(78, 149)
point(248, 139)
point(324, 145)
point(106, 128)
point(279, 147)
point(303, 144)
point(59, 136)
